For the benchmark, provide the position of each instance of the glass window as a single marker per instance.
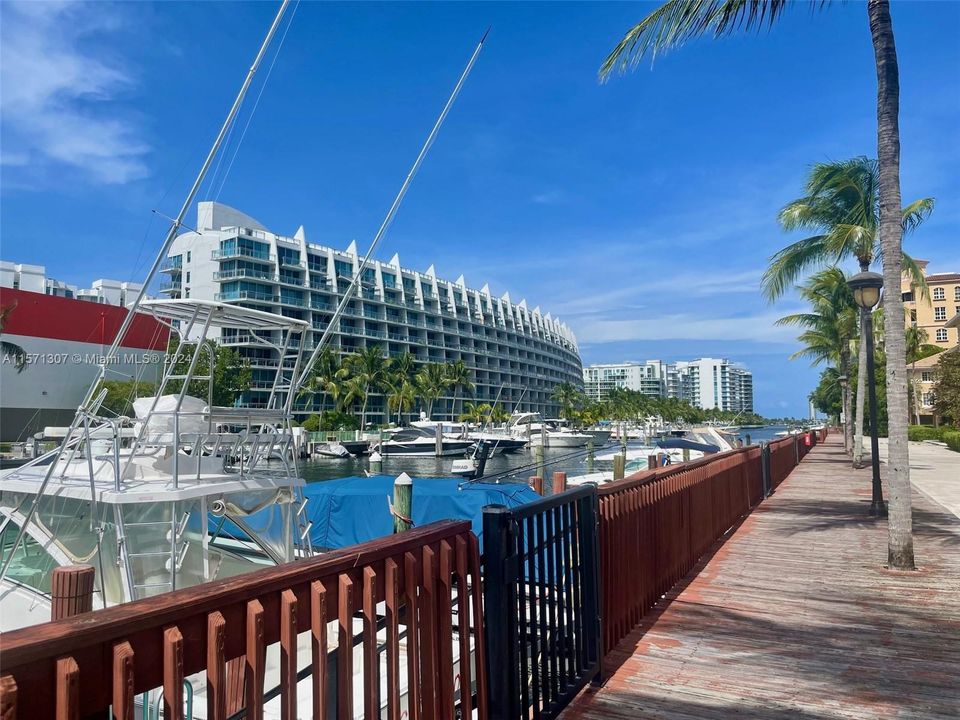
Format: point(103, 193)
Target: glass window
point(938, 293)
point(956, 293)
point(188, 256)
point(926, 376)
point(940, 313)
point(942, 335)
point(31, 564)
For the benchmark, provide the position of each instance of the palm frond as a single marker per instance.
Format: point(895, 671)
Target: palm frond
point(916, 212)
point(788, 264)
point(678, 21)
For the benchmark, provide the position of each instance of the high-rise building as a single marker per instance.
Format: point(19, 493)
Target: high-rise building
point(516, 355)
point(706, 383)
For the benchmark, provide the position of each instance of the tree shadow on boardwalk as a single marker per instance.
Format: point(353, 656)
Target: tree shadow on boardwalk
point(800, 516)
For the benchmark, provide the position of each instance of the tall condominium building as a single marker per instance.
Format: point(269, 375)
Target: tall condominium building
point(516, 355)
point(706, 383)
point(33, 278)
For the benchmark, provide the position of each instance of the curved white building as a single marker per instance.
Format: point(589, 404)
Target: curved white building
point(514, 352)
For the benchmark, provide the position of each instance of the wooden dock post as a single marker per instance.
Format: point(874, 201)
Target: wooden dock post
point(71, 591)
point(559, 482)
point(589, 456)
point(619, 466)
point(536, 482)
point(652, 462)
point(402, 503)
point(538, 455)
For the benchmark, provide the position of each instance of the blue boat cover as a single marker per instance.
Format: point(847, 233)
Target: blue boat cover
point(684, 444)
point(355, 509)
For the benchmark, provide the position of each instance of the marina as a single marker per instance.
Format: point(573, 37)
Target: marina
point(275, 473)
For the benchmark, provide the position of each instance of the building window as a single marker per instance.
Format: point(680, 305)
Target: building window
point(188, 256)
point(938, 293)
point(927, 399)
point(941, 335)
point(913, 316)
point(926, 376)
point(956, 293)
point(940, 313)
point(188, 276)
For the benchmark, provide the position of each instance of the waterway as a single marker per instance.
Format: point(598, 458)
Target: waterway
point(514, 467)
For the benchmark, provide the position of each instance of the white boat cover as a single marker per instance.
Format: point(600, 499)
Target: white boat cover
point(160, 423)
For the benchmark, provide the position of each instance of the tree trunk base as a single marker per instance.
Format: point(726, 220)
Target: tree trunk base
point(901, 559)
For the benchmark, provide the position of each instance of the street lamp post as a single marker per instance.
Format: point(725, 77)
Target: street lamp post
point(866, 288)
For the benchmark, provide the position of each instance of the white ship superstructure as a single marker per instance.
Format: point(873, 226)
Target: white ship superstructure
point(516, 355)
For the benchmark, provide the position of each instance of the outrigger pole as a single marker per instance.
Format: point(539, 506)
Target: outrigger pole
point(347, 296)
point(85, 406)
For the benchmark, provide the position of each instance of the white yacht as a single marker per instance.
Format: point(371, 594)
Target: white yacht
point(167, 498)
point(537, 431)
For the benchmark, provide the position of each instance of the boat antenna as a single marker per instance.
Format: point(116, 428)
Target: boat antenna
point(89, 400)
point(391, 213)
point(188, 201)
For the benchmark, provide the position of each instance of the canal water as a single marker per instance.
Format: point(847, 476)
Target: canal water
point(514, 467)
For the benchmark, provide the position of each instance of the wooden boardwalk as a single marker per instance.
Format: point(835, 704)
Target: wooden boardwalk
point(795, 617)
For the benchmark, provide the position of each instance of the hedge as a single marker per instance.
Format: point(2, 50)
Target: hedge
point(945, 434)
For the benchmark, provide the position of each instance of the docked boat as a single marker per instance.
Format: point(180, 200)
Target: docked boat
point(421, 442)
point(161, 500)
point(537, 431)
point(331, 450)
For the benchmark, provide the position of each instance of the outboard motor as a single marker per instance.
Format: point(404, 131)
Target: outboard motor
point(472, 467)
point(480, 457)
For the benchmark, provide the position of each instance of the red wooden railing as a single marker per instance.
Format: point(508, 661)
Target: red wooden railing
point(82, 665)
point(655, 525)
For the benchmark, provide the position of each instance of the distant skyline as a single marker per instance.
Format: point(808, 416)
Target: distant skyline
point(641, 212)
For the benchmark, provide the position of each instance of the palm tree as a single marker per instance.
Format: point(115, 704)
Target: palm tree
point(472, 412)
point(677, 21)
point(499, 414)
point(431, 382)
point(401, 394)
point(829, 329)
point(567, 395)
point(352, 391)
point(459, 376)
point(325, 377)
point(369, 368)
point(841, 205)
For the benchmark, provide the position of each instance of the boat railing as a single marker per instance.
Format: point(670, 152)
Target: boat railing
point(423, 584)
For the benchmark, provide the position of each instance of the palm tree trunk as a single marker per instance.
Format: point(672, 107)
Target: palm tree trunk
point(847, 425)
point(900, 525)
point(861, 395)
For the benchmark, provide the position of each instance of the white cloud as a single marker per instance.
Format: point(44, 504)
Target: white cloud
point(58, 97)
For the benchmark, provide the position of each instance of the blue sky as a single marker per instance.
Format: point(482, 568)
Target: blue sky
point(640, 212)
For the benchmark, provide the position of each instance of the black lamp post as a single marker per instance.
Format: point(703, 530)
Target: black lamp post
point(866, 288)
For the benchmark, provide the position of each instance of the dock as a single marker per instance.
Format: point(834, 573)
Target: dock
point(794, 616)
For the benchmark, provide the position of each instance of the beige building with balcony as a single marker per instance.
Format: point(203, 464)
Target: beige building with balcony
point(938, 313)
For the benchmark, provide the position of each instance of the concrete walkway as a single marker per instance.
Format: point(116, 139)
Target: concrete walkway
point(795, 618)
point(934, 471)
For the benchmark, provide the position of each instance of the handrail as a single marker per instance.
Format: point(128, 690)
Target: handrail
point(122, 651)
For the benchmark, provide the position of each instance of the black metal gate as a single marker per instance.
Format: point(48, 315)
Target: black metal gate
point(541, 603)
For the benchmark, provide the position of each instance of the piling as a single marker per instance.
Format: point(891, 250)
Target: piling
point(590, 456)
point(71, 591)
point(619, 464)
point(652, 462)
point(536, 482)
point(402, 503)
point(686, 454)
point(538, 455)
point(439, 441)
point(559, 482)
point(748, 438)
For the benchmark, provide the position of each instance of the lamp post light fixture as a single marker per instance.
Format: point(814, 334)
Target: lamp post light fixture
point(866, 287)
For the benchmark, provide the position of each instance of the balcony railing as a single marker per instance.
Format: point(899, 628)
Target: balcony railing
point(244, 253)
